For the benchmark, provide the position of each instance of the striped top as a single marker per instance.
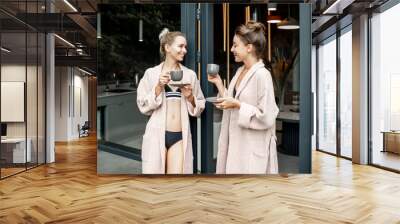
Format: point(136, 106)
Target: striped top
point(169, 93)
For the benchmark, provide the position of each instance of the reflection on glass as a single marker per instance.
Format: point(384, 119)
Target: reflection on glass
point(15, 151)
point(346, 94)
point(385, 84)
point(327, 97)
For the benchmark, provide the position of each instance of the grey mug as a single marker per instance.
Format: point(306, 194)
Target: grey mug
point(212, 69)
point(176, 75)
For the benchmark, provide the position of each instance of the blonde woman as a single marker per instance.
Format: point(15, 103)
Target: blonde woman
point(167, 144)
point(247, 143)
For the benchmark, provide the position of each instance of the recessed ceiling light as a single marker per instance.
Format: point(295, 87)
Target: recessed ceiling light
point(337, 7)
point(84, 71)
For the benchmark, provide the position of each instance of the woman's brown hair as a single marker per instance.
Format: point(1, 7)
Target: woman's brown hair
point(253, 33)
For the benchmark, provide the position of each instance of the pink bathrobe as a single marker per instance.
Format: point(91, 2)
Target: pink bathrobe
point(153, 146)
point(247, 143)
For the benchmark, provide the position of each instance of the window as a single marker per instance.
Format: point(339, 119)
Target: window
point(385, 88)
point(346, 93)
point(327, 96)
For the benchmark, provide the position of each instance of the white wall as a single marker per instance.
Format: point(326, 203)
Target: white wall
point(80, 93)
point(61, 103)
point(12, 73)
point(13, 101)
point(70, 83)
point(82, 82)
point(17, 72)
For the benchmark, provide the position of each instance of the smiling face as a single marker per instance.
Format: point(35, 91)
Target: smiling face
point(177, 50)
point(240, 50)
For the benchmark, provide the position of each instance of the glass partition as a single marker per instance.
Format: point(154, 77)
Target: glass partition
point(15, 151)
point(22, 89)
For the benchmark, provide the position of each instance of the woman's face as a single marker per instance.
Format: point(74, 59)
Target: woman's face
point(177, 50)
point(239, 49)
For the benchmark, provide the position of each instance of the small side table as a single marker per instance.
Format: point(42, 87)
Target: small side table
point(391, 141)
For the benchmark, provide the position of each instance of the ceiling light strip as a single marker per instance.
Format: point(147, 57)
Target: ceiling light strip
point(5, 50)
point(70, 5)
point(64, 40)
point(84, 71)
point(331, 7)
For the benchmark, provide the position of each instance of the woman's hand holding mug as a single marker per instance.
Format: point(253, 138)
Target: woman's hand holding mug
point(162, 81)
point(215, 79)
point(187, 91)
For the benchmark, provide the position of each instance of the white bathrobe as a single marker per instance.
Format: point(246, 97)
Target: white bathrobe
point(247, 143)
point(153, 146)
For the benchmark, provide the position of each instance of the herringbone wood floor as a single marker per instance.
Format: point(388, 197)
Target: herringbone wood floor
point(69, 191)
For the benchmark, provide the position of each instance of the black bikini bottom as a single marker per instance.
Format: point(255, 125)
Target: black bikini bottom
point(171, 138)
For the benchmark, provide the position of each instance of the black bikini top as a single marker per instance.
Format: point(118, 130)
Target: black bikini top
point(171, 93)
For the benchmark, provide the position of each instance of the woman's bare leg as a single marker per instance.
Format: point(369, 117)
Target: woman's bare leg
point(175, 158)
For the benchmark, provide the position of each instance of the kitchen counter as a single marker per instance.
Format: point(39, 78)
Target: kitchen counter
point(120, 120)
point(106, 94)
point(289, 116)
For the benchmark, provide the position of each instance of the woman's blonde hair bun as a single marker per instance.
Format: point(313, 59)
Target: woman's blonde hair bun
point(163, 33)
